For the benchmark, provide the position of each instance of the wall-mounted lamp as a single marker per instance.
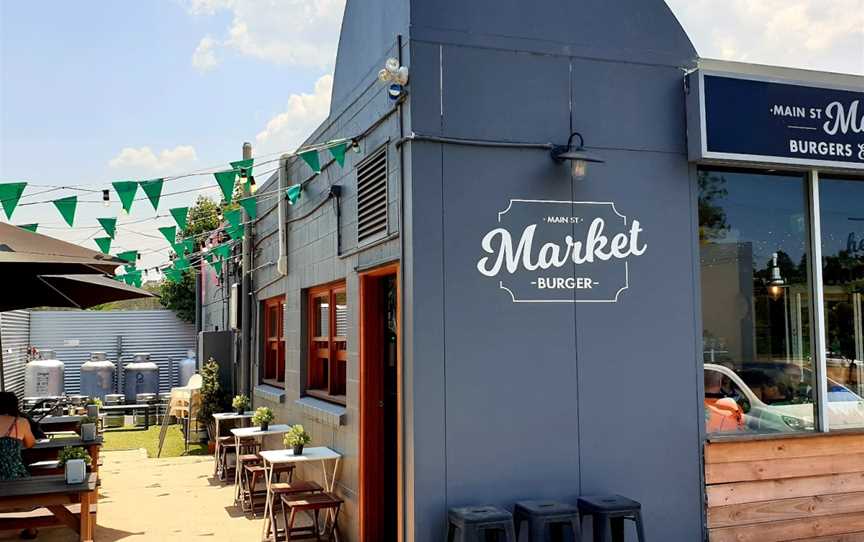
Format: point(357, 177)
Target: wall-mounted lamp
point(396, 76)
point(576, 155)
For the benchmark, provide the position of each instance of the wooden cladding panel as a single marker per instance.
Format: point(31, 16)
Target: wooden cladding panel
point(790, 489)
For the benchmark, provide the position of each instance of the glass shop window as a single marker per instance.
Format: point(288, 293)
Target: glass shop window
point(756, 302)
point(842, 220)
point(326, 369)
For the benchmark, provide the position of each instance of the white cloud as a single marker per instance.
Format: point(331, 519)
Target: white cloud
point(145, 158)
point(287, 130)
point(289, 32)
point(815, 34)
point(204, 58)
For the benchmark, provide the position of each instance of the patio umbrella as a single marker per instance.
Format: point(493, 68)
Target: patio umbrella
point(74, 291)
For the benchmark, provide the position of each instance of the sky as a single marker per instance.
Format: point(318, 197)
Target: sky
point(92, 92)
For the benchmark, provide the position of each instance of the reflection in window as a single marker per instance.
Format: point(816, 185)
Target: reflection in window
point(842, 220)
point(755, 302)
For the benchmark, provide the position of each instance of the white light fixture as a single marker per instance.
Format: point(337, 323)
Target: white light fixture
point(395, 76)
point(576, 155)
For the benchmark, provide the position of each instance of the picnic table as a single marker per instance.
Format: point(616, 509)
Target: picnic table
point(56, 424)
point(272, 458)
point(54, 494)
point(123, 408)
point(46, 451)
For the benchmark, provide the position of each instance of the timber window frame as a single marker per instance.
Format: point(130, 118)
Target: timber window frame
point(273, 341)
point(327, 345)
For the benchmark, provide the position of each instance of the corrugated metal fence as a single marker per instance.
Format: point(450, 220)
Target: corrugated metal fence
point(15, 335)
point(74, 334)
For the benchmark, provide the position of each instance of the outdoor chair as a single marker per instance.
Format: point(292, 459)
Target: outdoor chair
point(608, 514)
point(480, 524)
point(314, 503)
point(547, 520)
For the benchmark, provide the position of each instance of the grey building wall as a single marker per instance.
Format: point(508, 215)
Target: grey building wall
point(74, 334)
point(15, 330)
point(511, 401)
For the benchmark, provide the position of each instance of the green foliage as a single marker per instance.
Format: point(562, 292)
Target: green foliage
point(262, 415)
point(141, 304)
point(240, 402)
point(180, 296)
point(89, 419)
point(72, 452)
point(95, 401)
point(296, 436)
point(213, 397)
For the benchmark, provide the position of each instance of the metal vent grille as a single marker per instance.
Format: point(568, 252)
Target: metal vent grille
point(372, 197)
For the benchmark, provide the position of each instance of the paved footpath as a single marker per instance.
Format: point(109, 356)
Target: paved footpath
point(161, 499)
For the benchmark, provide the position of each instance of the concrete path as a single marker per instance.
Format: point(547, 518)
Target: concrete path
point(162, 499)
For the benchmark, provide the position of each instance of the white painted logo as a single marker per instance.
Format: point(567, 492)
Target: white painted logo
point(562, 251)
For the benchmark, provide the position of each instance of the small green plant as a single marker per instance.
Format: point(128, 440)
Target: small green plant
point(296, 436)
point(72, 452)
point(263, 415)
point(213, 398)
point(240, 403)
point(89, 419)
point(95, 401)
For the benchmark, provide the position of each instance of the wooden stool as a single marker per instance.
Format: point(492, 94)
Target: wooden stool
point(608, 513)
point(226, 446)
point(479, 524)
point(291, 489)
point(309, 502)
point(547, 520)
point(251, 474)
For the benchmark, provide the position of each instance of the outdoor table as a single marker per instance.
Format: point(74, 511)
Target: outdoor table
point(143, 406)
point(271, 458)
point(256, 432)
point(225, 416)
point(53, 493)
point(48, 449)
point(55, 424)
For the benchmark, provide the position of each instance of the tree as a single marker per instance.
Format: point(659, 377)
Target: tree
point(712, 216)
point(203, 217)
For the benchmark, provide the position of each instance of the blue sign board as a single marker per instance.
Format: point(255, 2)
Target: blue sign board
point(768, 121)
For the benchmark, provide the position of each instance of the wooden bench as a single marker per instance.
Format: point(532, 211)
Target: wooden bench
point(49, 449)
point(19, 497)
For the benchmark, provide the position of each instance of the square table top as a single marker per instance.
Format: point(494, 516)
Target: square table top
point(316, 453)
point(49, 443)
point(233, 415)
point(256, 431)
point(45, 485)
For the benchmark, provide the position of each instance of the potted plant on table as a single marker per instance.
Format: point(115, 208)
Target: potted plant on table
point(263, 416)
point(88, 428)
point(296, 438)
point(240, 403)
point(74, 460)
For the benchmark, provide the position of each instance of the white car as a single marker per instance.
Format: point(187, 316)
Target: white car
point(845, 408)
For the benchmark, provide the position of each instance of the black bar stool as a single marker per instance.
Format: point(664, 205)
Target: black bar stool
point(547, 521)
point(480, 524)
point(608, 513)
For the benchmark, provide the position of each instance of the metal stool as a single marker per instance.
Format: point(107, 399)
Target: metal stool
point(608, 513)
point(480, 524)
point(547, 520)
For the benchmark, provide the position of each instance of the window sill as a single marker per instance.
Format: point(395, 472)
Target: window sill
point(718, 438)
point(322, 411)
point(269, 393)
point(324, 396)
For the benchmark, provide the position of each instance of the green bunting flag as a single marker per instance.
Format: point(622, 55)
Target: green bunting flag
point(293, 193)
point(130, 256)
point(226, 180)
point(250, 205)
point(311, 158)
point(338, 153)
point(189, 245)
point(10, 194)
point(235, 232)
point(234, 217)
point(173, 275)
point(209, 257)
point(29, 227)
point(153, 189)
point(67, 206)
point(179, 248)
point(129, 268)
point(104, 244)
point(179, 215)
point(181, 264)
point(126, 192)
point(223, 251)
point(132, 277)
point(170, 233)
point(217, 266)
point(109, 225)
point(243, 165)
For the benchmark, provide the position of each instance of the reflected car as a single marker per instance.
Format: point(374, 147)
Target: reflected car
point(784, 413)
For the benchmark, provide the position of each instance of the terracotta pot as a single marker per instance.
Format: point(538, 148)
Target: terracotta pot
point(211, 447)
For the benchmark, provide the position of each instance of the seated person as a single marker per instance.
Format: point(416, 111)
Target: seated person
point(15, 435)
